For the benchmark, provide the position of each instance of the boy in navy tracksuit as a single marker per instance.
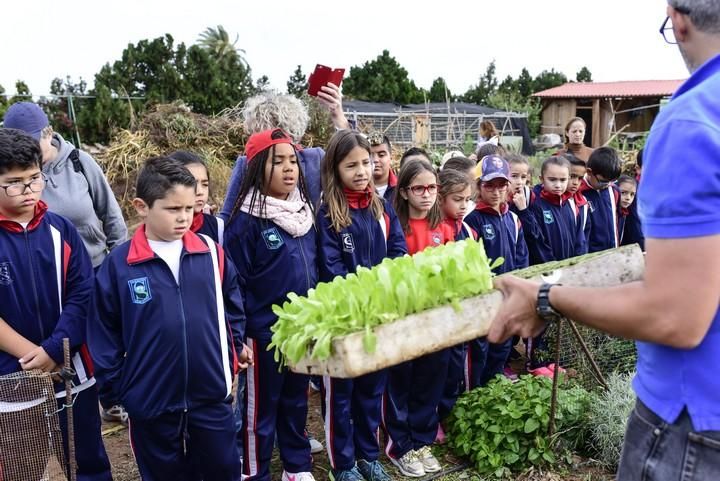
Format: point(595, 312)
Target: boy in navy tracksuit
point(168, 334)
point(603, 169)
point(384, 178)
point(502, 235)
point(369, 233)
point(576, 199)
point(46, 283)
point(272, 240)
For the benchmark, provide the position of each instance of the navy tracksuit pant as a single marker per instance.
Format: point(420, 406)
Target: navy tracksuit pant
point(187, 446)
point(486, 360)
point(410, 406)
point(275, 401)
point(352, 413)
point(455, 383)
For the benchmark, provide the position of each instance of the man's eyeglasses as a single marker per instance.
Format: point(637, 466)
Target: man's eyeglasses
point(419, 190)
point(16, 189)
point(666, 29)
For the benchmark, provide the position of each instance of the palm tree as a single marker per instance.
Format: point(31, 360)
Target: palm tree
point(217, 42)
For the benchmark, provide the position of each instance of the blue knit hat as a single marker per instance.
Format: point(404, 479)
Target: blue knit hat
point(26, 116)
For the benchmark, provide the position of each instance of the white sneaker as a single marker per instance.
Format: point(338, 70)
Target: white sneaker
point(302, 476)
point(410, 465)
point(429, 462)
point(315, 445)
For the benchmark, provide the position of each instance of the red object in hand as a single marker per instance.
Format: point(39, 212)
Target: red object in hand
point(322, 75)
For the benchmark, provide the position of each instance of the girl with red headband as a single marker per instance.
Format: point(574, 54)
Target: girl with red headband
point(271, 238)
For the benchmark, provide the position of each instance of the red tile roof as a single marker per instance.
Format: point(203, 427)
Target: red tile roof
point(637, 88)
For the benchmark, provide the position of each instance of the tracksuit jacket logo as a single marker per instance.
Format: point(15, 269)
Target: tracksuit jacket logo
point(273, 239)
point(5, 278)
point(347, 243)
point(489, 232)
point(140, 290)
point(548, 217)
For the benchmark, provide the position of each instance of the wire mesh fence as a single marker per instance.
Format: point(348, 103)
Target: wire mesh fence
point(31, 442)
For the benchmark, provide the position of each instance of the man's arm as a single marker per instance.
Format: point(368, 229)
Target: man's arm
point(674, 305)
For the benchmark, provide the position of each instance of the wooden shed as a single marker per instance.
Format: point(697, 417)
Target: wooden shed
point(627, 107)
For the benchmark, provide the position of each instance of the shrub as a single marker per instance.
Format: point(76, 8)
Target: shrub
point(503, 427)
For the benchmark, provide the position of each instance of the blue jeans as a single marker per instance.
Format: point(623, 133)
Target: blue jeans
point(657, 451)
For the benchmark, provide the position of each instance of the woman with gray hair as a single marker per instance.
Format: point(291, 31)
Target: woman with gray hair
point(271, 110)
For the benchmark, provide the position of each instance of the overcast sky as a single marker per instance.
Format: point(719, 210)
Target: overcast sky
point(616, 39)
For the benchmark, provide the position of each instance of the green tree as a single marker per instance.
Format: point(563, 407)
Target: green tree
point(297, 83)
point(584, 75)
point(3, 101)
point(62, 110)
point(217, 42)
point(439, 91)
point(548, 79)
point(381, 80)
point(487, 85)
point(512, 101)
point(262, 84)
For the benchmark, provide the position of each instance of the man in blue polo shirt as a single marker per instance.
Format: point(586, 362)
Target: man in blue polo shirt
point(673, 313)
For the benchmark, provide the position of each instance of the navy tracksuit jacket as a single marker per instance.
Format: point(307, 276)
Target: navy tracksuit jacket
point(166, 350)
point(502, 236)
point(211, 226)
point(562, 236)
point(46, 285)
point(352, 407)
point(603, 207)
point(271, 263)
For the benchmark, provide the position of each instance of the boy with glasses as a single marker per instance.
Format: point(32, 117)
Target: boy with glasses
point(46, 286)
point(603, 168)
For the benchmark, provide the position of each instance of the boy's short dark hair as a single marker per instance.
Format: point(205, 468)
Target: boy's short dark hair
point(414, 151)
point(623, 179)
point(490, 149)
point(378, 138)
point(18, 151)
point(461, 164)
point(574, 160)
point(605, 161)
point(158, 176)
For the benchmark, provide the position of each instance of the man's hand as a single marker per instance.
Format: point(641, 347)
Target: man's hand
point(517, 314)
point(245, 358)
point(330, 96)
point(38, 359)
point(520, 201)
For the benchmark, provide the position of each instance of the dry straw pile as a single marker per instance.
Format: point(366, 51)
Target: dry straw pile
point(168, 127)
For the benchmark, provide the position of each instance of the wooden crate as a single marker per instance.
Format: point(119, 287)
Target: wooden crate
point(429, 331)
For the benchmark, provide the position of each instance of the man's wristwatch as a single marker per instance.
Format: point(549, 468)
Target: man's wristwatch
point(544, 309)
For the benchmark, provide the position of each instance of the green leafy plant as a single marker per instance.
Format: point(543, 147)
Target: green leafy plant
point(370, 297)
point(503, 427)
point(608, 413)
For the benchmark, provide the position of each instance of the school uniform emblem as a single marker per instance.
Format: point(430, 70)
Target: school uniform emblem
point(436, 239)
point(273, 239)
point(140, 290)
point(5, 277)
point(348, 244)
point(488, 232)
point(548, 217)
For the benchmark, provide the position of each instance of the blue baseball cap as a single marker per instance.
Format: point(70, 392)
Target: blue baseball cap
point(26, 116)
point(492, 167)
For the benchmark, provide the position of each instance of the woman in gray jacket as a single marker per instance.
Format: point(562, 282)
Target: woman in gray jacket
point(76, 185)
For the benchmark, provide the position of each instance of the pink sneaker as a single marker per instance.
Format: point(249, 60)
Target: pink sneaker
point(541, 371)
point(509, 373)
point(440, 436)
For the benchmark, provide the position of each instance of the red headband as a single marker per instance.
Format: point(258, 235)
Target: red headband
point(264, 140)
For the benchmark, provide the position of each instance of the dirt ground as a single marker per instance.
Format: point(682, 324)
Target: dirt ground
point(124, 468)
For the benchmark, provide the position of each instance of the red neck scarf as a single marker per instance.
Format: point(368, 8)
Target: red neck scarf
point(358, 199)
point(554, 198)
point(197, 222)
point(483, 207)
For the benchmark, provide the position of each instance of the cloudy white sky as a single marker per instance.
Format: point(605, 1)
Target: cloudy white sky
point(616, 39)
